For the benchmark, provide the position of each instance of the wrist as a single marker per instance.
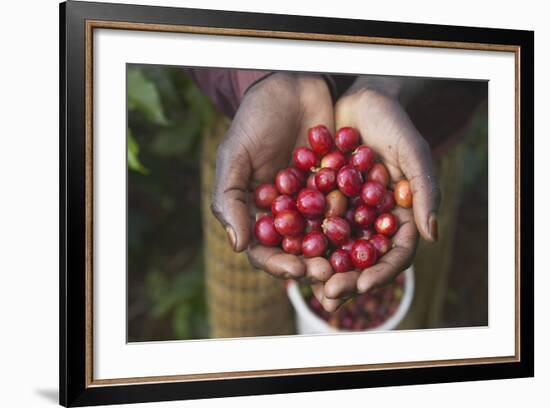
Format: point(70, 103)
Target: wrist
point(305, 89)
point(312, 87)
point(388, 86)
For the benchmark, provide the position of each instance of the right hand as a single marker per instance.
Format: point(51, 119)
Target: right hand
point(272, 120)
point(371, 106)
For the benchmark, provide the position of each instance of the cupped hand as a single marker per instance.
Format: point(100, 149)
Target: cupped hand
point(371, 107)
point(272, 120)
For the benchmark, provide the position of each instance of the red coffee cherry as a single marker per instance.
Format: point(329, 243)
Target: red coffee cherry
point(314, 244)
point(363, 254)
point(310, 183)
point(386, 224)
point(379, 172)
point(282, 203)
point(300, 175)
point(364, 215)
point(340, 260)
point(349, 181)
point(314, 224)
point(356, 201)
point(365, 233)
point(265, 231)
point(386, 204)
point(334, 160)
point(337, 230)
point(305, 159)
point(264, 195)
point(292, 245)
point(287, 182)
point(289, 223)
point(311, 203)
point(346, 246)
point(320, 139)
point(350, 216)
point(336, 204)
point(325, 180)
point(372, 193)
point(403, 194)
point(347, 139)
point(362, 158)
point(381, 243)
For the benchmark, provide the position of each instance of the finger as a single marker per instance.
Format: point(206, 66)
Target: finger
point(330, 305)
point(276, 262)
point(323, 114)
point(230, 194)
point(413, 153)
point(396, 260)
point(318, 291)
point(317, 269)
point(416, 162)
point(342, 285)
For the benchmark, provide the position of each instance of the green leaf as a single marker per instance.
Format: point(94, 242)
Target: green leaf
point(162, 77)
point(163, 297)
point(144, 96)
point(133, 160)
point(182, 321)
point(178, 139)
point(199, 104)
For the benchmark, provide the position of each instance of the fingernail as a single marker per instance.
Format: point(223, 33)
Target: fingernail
point(231, 237)
point(433, 228)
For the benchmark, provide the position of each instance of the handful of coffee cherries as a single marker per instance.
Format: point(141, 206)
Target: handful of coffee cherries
point(335, 202)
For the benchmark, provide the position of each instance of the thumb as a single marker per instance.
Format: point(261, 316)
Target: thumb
point(416, 163)
point(230, 194)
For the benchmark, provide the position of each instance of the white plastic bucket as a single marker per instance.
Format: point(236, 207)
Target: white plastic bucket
point(308, 322)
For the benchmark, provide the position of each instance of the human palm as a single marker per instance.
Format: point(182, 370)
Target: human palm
point(386, 127)
point(271, 122)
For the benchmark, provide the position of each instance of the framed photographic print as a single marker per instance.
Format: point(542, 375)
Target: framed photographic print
point(256, 204)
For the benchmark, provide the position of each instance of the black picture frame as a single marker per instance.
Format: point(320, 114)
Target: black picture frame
point(74, 390)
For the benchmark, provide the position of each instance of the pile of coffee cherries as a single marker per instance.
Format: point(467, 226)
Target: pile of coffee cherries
point(335, 202)
point(365, 312)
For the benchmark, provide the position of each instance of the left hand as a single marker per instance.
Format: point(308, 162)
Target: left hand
point(272, 120)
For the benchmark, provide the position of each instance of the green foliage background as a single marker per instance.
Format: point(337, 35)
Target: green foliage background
point(166, 296)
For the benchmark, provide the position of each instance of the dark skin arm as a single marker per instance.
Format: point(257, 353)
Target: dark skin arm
point(272, 120)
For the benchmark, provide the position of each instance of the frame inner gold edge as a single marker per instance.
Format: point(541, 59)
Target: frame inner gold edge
point(298, 371)
point(91, 24)
point(89, 207)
